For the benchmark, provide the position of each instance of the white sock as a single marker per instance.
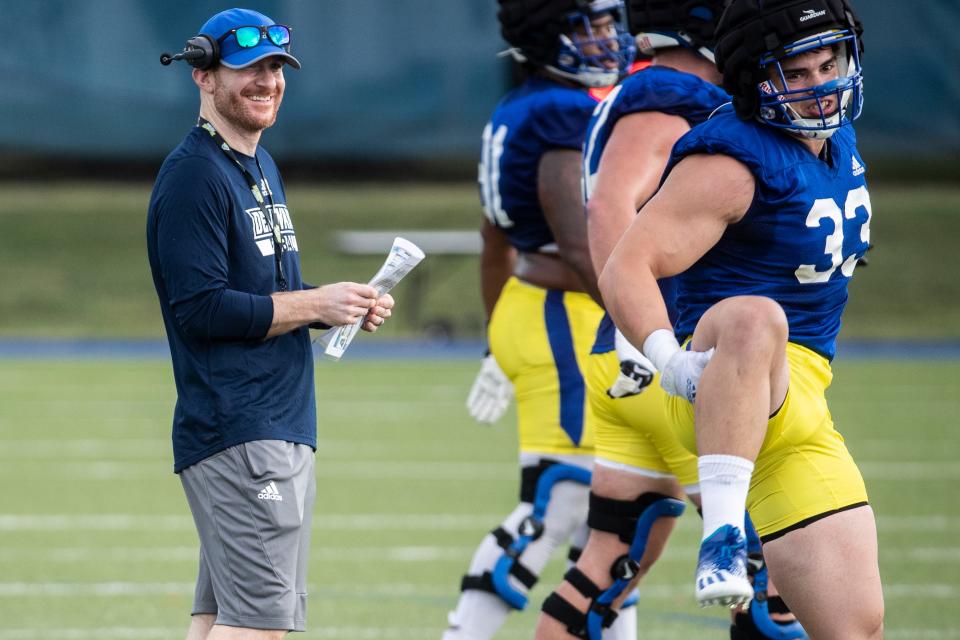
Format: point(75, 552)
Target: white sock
point(624, 627)
point(724, 482)
point(478, 616)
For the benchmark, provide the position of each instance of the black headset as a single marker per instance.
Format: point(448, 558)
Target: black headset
point(201, 51)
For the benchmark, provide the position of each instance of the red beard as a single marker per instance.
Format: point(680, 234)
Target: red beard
point(235, 108)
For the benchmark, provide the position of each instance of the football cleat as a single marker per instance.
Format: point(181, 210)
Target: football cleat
point(722, 569)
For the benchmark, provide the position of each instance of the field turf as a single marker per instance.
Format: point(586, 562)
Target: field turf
point(96, 539)
point(74, 263)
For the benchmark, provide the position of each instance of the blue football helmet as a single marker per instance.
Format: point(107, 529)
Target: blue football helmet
point(661, 24)
point(755, 38)
point(776, 102)
point(595, 59)
point(587, 57)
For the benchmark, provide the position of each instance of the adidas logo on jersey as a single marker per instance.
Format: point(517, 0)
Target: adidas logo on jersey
point(270, 492)
point(857, 167)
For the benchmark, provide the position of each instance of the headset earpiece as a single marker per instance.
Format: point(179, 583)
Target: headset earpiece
point(210, 49)
point(201, 52)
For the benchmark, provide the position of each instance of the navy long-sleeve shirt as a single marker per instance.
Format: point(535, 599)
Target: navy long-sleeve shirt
point(212, 258)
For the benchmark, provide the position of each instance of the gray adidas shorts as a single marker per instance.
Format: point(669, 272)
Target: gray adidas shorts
point(253, 505)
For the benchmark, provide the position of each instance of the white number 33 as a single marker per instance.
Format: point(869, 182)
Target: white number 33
point(833, 247)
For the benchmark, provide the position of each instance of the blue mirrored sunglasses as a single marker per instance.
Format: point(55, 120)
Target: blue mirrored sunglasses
point(249, 37)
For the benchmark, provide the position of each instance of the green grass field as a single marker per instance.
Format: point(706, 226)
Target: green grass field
point(73, 257)
point(97, 541)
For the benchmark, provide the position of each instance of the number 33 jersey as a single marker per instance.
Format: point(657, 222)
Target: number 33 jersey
point(800, 239)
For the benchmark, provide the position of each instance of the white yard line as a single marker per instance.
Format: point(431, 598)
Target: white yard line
point(324, 554)
point(324, 522)
point(399, 554)
point(347, 633)
point(108, 633)
point(925, 591)
point(371, 521)
point(117, 470)
point(89, 460)
point(161, 633)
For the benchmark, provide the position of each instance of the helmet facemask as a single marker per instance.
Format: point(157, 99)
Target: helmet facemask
point(590, 58)
point(781, 107)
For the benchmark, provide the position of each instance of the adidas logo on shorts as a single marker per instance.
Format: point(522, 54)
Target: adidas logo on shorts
point(270, 492)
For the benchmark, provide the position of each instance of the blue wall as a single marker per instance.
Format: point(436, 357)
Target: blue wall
point(381, 79)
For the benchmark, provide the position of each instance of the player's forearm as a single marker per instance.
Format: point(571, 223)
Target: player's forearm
point(292, 310)
point(607, 220)
point(633, 298)
point(497, 260)
point(578, 258)
point(558, 189)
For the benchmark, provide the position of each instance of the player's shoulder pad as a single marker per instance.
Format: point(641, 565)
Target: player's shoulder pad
point(667, 90)
point(560, 114)
point(724, 133)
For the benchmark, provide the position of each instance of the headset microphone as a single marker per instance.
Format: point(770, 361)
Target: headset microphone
point(201, 51)
point(189, 54)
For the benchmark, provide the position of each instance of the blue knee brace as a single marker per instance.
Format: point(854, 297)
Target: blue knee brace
point(631, 521)
point(531, 529)
point(625, 568)
point(759, 607)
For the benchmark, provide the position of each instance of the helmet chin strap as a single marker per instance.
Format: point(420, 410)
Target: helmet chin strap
point(586, 75)
point(589, 77)
point(813, 128)
point(649, 42)
point(811, 134)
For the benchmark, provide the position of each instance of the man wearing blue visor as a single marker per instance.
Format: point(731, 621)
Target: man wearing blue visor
point(225, 262)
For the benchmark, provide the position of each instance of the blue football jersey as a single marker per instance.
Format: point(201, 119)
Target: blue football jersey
point(655, 88)
point(539, 116)
point(800, 240)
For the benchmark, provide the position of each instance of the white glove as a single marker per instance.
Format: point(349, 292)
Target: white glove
point(490, 394)
point(636, 370)
point(681, 374)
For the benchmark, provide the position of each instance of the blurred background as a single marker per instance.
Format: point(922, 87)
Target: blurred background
point(380, 131)
point(379, 136)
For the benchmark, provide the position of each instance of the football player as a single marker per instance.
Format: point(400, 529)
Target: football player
point(764, 211)
point(639, 459)
point(545, 315)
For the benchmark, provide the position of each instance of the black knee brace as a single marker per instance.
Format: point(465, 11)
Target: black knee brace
point(744, 627)
point(484, 582)
point(557, 607)
point(619, 516)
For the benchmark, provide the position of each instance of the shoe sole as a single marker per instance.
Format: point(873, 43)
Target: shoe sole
point(728, 594)
point(731, 601)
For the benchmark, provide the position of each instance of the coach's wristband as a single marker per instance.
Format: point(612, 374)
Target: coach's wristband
point(660, 347)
